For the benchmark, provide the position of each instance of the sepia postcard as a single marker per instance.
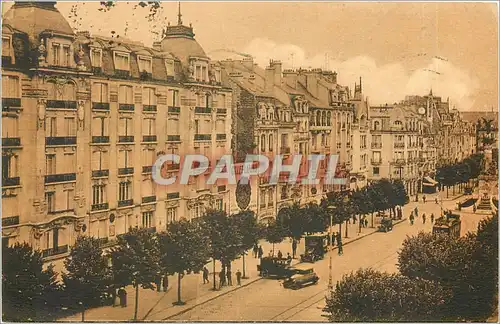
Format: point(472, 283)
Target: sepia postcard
point(249, 161)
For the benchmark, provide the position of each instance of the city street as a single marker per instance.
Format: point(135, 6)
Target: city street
point(266, 300)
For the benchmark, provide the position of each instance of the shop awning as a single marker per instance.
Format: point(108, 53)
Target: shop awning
point(430, 181)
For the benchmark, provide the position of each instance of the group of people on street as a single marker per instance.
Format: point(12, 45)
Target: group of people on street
point(258, 252)
point(414, 214)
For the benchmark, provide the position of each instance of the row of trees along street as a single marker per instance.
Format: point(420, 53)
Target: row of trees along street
point(460, 173)
point(441, 278)
point(142, 258)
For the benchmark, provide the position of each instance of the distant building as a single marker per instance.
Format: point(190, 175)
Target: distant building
point(486, 123)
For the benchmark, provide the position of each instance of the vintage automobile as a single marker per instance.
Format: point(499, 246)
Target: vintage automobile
point(385, 225)
point(303, 275)
point(449, 224)
point(315, 248)
point(274, 267)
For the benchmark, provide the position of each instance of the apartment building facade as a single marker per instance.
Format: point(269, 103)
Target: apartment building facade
point(84, 120)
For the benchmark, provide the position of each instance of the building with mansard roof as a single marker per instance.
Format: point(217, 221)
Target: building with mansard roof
point(84, 118)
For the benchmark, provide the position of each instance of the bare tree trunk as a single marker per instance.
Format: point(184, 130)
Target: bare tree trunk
point(213, 268)
point(136, 301)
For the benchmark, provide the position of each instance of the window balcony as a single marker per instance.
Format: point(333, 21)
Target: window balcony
point(60, 140)
point(55, 251)
point(100, 139)
point(149, 138)
point(376, 145)
point(149, 108)
point(174, 109)
point(202, 137)
point(376, 161)
point(398, 161)
point(125, 139)
point(124, 74)
point(61, 104)
point(100, 173)
point(146, 76)
point(202, 110)
point(11, 142)
point(102, 241)
point(126, 171)
point(173, 195)
point(285, 150)
point(61, 211)
point(221, 111)
point(125, 203)
point(147, 169)
point(10, 221)
point(103, 206)
point(173, 167)
point(399, 145)
point(126, 107)
point(100, 105)
point(11, 103)
point(97, 70)
point(11, 182)
point(220, 137)
point(173, 138)
point(63, 177)
point(148, 199)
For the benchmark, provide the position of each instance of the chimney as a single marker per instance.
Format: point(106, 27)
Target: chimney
point(312, 82)
point(269, 78)
point(277, 72)
point(157, 46)
point(248, 63)
point(290, 77)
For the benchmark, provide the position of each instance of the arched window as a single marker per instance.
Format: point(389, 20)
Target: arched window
point(271, 144)
point(318, 118)
point(376, 125)
point(329, 118)
point(323, 118)
point(311, 120)
point(263, 143)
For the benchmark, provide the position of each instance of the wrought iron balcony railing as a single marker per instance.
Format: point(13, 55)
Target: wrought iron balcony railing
point(148, 199)
point(102, 206)
point(100, 173)
point(100, 139)
point(100, 105)
point(10, 221)
point(174, 109)
point(126, 107)
point(11, 141)
point(60, 140)
point(149, 107)
point(61, 104)
point(63, 177)
point(173, 138)
point(126, 171)
point(55, 251)
point(124, 203)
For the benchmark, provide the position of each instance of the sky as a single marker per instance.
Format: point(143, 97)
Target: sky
point(397, 48)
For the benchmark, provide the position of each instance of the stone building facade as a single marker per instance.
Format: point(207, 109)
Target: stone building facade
point(84, 119)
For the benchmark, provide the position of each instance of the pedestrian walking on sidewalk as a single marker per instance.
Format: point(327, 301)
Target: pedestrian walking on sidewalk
point(436, 200)
point(205, 275)
point(255, 250)
point(423, 198)
point(261, 252)
point(238, 277)
point(229, 277)
point(165, 283)
point(339, 244)
point(416, 211)
point(294, 248)
point(423, 218)
point(280, 255)
point(474, 208)
point(412, 218)
point(432, 218)
point(288, 258)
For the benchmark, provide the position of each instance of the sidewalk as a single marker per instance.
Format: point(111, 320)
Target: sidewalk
point(157, 306)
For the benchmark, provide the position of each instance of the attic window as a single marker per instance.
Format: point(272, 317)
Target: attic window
point(6, 46)
point(96, 57)
point(145, 64)
point(122, 61)
point(170, 67)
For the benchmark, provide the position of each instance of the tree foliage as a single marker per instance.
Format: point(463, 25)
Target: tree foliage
point(371, 296)
point(29, 293)
point(275, 233)
point(249, 229)
point(88, 278)
point(223, 235)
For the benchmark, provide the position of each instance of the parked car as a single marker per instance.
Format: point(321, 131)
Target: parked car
point(302, 276)
point(385, 225)
point(274, 267)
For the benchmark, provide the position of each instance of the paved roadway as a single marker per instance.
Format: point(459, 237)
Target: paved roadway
point(266, 300)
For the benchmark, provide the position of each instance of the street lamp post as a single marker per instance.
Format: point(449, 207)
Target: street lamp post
point(330, 279)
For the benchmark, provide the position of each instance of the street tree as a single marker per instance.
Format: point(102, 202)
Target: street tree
point(224, 238)
point(250, 231)
point(317, 220)
point(29, 293)
point(448, 261)
point(135, 261)
point(183, 250)
point(88, 278)
point(275, 233)
point(368, 295)
point(294, 220)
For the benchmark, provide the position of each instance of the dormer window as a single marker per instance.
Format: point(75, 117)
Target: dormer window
point(122, 61)
point(6, 46)
point(56, 53)
point(66, 55)
point(169, 64)
point(145, 64)
point(96, 57)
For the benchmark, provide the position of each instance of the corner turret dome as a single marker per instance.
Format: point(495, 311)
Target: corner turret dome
point(34, 18)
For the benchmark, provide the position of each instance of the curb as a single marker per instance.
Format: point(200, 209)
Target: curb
point(260, 278)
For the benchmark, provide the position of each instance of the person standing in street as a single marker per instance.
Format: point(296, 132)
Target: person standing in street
point(288, 258)
point(255, 250)
point(222, 279)
point(280, 255)
point(416, 211)
point(294, 248)
point(238, 277)
point(339, 244)
point(205, 275)
point(432, 218)
point(165, 283)
point(436, 200)
point(261, 252)
point(423, 218)
point(412, 218)
point(423, 198)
